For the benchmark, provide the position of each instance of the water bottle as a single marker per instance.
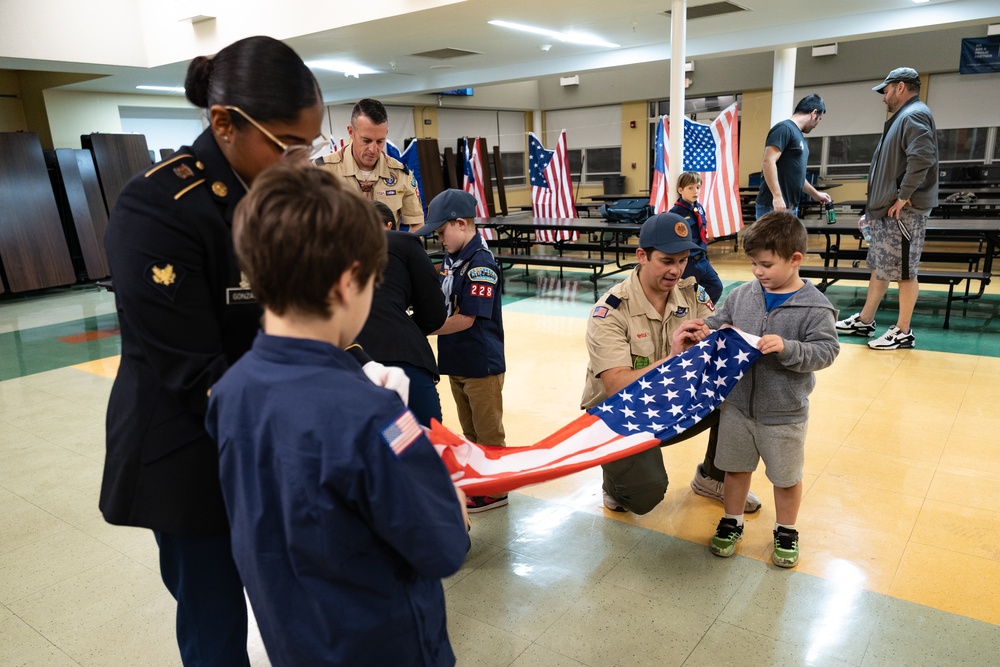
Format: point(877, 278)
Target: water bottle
point(831, 215)
point(866, 228)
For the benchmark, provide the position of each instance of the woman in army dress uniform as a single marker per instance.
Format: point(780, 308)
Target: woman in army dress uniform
point(186, 315)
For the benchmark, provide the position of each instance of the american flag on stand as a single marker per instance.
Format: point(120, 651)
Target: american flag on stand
point(667, 400)
point(556, 289)
point(409, 158)
point(472, 182)
point(712, 150)
point(551, 187)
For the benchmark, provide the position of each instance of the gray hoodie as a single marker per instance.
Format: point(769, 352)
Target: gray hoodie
point(776, 388)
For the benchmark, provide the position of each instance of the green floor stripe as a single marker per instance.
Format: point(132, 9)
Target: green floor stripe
point(37, 350)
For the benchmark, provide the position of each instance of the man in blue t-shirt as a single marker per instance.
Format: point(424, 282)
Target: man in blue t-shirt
point(785, 157)
point(470, 343)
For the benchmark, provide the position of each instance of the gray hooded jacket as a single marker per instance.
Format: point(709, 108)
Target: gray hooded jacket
point(776, 388)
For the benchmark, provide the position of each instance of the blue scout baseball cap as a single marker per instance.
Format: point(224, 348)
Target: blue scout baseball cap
point(667, 232)
point(448, 205)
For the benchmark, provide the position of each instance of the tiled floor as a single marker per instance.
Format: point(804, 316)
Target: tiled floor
point(900, 555)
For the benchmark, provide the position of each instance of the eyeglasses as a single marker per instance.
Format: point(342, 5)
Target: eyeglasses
point(312, 150)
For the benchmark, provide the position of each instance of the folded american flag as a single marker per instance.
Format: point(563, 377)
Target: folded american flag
point(667, 400)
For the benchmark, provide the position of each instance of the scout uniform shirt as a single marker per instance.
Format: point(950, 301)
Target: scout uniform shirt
point(624, 329)
point(390, 182)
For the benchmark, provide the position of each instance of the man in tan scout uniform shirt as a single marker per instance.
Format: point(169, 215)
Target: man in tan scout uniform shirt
point(650, 316)
point(364, 165)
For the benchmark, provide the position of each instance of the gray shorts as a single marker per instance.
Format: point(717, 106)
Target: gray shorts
point(743, 442)
point(885, 250)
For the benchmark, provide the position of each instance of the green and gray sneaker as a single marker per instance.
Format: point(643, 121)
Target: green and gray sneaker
point(726, 536)
point(786, 547)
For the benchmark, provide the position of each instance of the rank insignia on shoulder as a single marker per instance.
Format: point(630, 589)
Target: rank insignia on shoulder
point(705, 299)
point(219, 189)
point(389, 181)
point(600, 311)
point(183, 171)
point(402, 433)
point(165, 277)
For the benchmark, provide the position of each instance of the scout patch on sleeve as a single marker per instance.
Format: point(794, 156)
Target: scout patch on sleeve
point(705, 299)
point(483, 290)
point(483, 274)
point(640, 362)
point(166, 277)
point(600, 311)
point(402, 433)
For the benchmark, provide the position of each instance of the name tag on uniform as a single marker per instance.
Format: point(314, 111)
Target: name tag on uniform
point(389, 193)
point(239, 295)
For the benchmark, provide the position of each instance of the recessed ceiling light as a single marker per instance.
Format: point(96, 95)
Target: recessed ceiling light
point(348, 68)
point(920, 2)
point(178, 90)
point(568, 37)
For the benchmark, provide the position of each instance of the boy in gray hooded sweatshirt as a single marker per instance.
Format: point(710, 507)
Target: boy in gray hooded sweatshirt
point(765, 415)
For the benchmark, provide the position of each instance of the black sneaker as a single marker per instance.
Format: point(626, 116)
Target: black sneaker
point(786, 547)
point(855, 327)
point(474, 504)
point(726, 536)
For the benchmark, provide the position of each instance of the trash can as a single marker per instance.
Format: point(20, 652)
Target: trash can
point(614, 185)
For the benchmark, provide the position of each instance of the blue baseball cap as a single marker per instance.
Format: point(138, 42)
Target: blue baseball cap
point(667, 232)
point(448, 205)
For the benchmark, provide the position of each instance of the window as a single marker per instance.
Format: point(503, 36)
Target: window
point(591, 165)
point(815, 145)
point(513, 169)
point(968, 143)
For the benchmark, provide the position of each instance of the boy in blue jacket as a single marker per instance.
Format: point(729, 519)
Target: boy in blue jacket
point(687, 206)
point(766, 413)
point(343, 517)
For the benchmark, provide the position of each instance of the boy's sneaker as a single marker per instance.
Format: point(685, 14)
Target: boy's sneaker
point(474, 504)
point(704, 485)
point(786, 547)
point(611, 503)
point(854, 326)
point(893, 339)
point(726, 536)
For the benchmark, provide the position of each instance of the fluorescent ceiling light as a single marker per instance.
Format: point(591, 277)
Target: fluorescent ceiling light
point(179, 90)
point(348, 68)
point(920, 2)
point(568, 37)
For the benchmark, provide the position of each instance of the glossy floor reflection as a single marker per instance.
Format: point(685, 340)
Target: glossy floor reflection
point(899, 555)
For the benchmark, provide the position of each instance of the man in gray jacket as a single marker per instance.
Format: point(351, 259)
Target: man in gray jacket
point(902, 190)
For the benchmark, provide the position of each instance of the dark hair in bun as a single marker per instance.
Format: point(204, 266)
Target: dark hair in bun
point(260, 75)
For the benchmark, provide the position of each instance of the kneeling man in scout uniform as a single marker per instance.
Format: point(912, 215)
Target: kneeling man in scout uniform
point(363, 165)
point(649, 317)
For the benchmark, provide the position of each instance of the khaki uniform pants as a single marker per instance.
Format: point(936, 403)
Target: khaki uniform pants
point(480, 408)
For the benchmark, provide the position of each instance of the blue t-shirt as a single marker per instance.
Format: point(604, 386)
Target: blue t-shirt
point(787, 138)
point(474, 290)
point(773, 300)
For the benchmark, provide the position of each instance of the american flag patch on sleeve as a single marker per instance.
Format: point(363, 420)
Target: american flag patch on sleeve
point(402, 432)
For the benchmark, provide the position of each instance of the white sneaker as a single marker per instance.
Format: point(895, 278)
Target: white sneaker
point(893, 339)
point(854, 326)
point(704, 485)
point(611, 503)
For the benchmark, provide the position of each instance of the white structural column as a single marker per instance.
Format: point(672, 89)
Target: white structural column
point(678, 39)
point(536, 124)
point(783, 85)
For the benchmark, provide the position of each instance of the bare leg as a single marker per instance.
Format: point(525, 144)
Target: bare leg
point(876, 290)
point(908, 290)
point(735, 490)
point(786, 503)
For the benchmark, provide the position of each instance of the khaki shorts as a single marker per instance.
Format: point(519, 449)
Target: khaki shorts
point(886, 247)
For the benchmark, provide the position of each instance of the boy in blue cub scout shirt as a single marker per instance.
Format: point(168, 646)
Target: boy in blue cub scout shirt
point(765, 415)
point(470, 344)
point(688, 207)
point(343, 517)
